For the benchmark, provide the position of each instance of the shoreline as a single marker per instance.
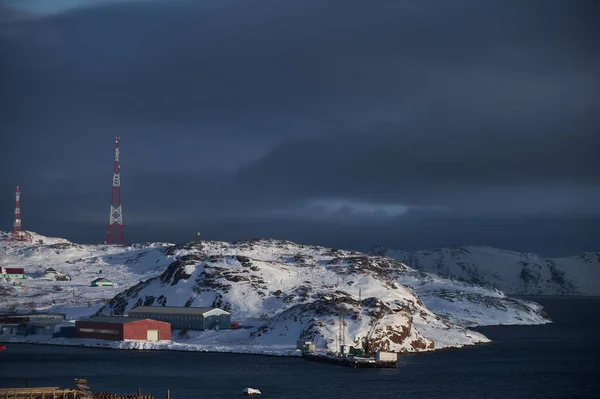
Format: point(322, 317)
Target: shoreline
point(113, 345)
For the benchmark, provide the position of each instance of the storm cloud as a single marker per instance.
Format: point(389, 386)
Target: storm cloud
point(342, 123)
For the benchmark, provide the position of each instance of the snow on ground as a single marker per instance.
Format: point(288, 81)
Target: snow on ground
point(471, 305)
point(295, 291)
point(512, 272)
point(125, 266)
point(279, 290)
point(223, 341)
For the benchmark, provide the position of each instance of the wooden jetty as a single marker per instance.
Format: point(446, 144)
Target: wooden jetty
point(351, 361)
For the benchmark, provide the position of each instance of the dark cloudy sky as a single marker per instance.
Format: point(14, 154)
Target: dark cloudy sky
point(347, 123)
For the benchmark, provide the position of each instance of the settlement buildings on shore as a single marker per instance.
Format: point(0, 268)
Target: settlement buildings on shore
point(186, 317)
point(149, 323)
point(29, 324)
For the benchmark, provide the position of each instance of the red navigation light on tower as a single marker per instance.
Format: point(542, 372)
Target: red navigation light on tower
point(115, 226)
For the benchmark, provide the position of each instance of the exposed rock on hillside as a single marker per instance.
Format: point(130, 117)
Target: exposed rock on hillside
point(288, 291)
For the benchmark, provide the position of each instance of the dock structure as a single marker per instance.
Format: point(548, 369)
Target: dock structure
point(42, 393)
point(351, 361)
point(106, 395)
point(58, 393)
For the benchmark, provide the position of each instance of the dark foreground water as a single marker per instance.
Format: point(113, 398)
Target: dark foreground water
point(559, 360)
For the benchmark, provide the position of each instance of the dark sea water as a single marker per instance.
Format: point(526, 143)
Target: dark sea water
point(559, 360)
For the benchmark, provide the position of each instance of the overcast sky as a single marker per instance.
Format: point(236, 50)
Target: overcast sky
point(345, 123)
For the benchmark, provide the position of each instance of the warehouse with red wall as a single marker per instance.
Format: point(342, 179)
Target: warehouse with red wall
point(116, 328)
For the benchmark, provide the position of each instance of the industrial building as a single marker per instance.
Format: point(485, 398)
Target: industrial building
point(119, 328)
point(28, 324)
point(8, 329)
point(189, 318)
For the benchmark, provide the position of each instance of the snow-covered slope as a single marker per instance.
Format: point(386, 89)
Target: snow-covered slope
point(125, 266)
point(512, 272)
point(280, 290)
point(286, 291)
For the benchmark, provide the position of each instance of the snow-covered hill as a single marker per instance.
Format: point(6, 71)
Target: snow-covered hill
point(125, 266)
point(512, 272)
point(287, 291)
point(280, 290)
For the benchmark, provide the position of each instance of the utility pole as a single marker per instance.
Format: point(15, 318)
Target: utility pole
point(359, 298)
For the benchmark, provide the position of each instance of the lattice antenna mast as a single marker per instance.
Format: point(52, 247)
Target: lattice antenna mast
point(115, 226)
point(17, 223)
point(343, 331)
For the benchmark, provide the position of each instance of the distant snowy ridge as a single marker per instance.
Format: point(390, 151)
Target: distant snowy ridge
point(513, 272)
point(288, 291)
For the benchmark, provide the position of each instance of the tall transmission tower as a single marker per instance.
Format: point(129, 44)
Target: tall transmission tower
point(115, 225)
point(17, 233)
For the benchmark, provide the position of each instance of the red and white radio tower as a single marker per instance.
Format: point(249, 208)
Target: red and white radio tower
point(16, 231)
point(115, 226)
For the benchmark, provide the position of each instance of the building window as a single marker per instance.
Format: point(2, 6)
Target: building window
point(99, 331)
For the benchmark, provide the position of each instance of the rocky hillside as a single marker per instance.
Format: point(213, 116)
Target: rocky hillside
point(512, 272)
point(286, 291)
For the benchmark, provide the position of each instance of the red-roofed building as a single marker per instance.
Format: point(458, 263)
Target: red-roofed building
point(14, 270)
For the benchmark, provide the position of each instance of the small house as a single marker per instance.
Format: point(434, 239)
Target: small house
point(51, 270)
point(62, 277)
point(102, 282)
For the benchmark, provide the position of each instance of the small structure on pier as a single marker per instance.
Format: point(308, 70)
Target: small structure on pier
point(353, 361)
point(305, 346)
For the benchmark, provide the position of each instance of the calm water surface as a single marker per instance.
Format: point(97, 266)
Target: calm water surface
point(559, 360)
